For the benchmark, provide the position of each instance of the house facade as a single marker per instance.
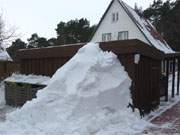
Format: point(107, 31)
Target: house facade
point(121, 22)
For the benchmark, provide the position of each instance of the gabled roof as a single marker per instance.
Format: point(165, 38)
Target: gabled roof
point(145, 27)
point(4, 56)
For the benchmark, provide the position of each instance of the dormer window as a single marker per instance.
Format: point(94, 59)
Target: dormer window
point(115, 17)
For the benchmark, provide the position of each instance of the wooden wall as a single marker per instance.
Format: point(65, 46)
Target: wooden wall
point(7, 68)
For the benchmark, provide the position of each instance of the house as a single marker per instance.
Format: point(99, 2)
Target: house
point(121, 22)
point(4, 59)
point(4, 56)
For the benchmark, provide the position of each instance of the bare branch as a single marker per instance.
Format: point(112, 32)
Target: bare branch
point(6, 36)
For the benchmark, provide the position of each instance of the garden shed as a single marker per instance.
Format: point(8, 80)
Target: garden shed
point(141, 61)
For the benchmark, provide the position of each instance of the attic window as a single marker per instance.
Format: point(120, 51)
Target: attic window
point(106, 37)
point(115, 17)
point(123, 35)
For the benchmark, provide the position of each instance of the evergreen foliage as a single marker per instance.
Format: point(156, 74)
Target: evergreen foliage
point(74, 31)
point(166, 18)
point(13, 49)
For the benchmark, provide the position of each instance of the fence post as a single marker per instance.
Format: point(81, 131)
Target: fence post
point(173, 77)
point(167, 79)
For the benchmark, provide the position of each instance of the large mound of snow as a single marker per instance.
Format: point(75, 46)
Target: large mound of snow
point(87, 96)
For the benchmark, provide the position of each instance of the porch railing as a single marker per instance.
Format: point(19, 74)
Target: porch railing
point(171, 70)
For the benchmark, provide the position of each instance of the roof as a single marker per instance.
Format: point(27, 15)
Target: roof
point(145, 27)
point(132, 46)
point(4, 56)
point(28, 79)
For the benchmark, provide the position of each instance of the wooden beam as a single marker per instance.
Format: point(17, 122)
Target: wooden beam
point(164, 66)
point(178, 76)
point(173, 77)
point(167, 79)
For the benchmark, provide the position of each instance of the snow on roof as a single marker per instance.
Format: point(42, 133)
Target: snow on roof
point(148, 30)
point(29, 79)
point(4, 56)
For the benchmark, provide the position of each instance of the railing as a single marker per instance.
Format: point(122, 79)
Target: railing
point(171, 67)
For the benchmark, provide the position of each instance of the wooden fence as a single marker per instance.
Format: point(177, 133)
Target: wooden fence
point(145, 74)
point(7, 68)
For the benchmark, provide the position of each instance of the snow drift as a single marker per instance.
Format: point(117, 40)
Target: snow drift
point(87, 96)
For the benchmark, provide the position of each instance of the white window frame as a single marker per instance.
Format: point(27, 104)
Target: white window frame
point(106, 37)
point(115, 17)
point(123, 35)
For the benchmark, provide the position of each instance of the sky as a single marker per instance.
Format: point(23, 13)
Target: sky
point(42, 16)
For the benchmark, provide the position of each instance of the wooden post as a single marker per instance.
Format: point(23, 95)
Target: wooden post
point(164, 66)
point(173, 77)
point(178, 76)
point(167, 79)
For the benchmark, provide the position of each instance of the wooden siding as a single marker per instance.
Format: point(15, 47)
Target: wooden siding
point(7, 68)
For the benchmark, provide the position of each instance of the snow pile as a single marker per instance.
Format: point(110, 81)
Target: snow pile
point(4, 56)
point(87, 96)
point(2, 96)
point(30, 79)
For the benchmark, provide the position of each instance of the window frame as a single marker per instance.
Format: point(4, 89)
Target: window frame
point(106, 37)
point(125, 36)
point(115, 17)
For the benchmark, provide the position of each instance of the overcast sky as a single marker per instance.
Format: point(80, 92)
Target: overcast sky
point(42, 16)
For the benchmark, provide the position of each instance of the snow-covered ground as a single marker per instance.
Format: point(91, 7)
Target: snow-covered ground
point(87, 96)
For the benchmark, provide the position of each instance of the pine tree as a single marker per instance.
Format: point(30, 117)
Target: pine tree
point(13, 49)
point(36, 42)
point(74, 31)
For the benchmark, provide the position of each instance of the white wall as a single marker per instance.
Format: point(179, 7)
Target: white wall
point(123, 24)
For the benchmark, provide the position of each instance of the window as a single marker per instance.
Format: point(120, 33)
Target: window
point(123, 35)
point(106, 37)
point(115, 17)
